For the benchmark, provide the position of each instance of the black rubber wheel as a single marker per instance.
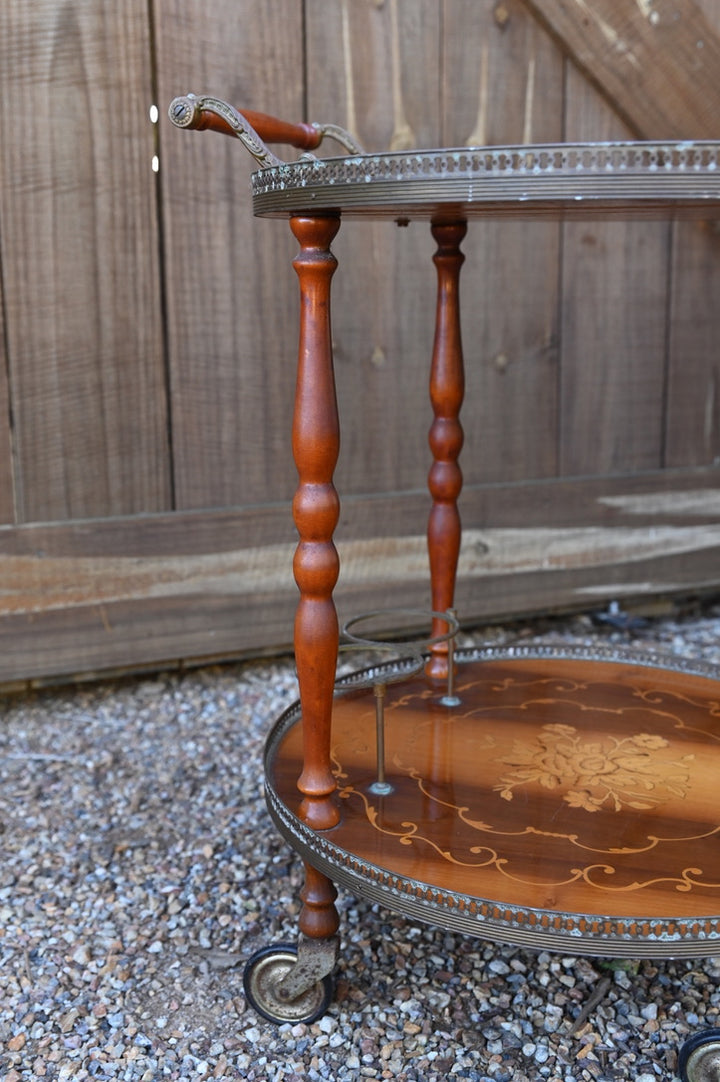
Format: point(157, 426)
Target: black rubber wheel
point(699, 1059)
point(263, 973)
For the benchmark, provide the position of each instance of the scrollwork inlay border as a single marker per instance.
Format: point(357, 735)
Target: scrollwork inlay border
point(601, 935)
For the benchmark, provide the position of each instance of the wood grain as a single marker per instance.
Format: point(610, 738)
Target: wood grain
point(232, 306)
point(101, 429)
point(108, 594)
point(614, 304)
point(692, 415)
point(572, 785)
point(692, 424)
point(376, 69)
point(503, 83)
point(447, 389)
point(7, 495)
point(656, 63)
point(316, 509)
point(80, 260)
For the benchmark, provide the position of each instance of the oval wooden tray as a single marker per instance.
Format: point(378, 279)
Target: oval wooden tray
point(570, 802)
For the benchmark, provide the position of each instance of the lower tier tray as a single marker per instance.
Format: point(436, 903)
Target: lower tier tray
point(571, 801)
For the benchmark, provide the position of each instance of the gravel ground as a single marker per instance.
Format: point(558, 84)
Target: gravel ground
point(139, 869)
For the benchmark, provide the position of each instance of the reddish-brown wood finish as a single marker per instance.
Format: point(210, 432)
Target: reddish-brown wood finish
point(318, 917)
point(570, 785)
point(447, 387)
point(269, 128)
point(316, 444)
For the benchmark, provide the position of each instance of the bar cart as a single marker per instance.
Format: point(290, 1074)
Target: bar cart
point(549, 797)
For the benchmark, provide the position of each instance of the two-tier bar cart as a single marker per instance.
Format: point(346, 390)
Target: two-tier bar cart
point(549, 797)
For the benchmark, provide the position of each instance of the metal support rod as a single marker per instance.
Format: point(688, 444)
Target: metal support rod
point(451, 699)
point(380, 787)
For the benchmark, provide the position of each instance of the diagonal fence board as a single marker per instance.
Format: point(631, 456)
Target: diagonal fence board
point(657, 61)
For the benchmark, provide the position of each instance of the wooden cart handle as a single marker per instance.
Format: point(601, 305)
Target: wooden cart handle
point(254, 130)
point(269, 128)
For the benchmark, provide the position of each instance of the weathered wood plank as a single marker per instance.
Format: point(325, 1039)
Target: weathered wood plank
point(232, 308)
point(693, 392)
point(163, 588)
point(614, 302)
point(80, 260)
point(86, 364)
point(656, 62)
point(502, 74)
point(374, 68)
point(7, 496)
point(693, 397)
point(504, 84)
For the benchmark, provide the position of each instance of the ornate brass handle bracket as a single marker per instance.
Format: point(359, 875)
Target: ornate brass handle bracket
point(254, 130)
point(339, 135)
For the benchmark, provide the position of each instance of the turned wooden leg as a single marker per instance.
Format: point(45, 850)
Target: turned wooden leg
point(318, 917)
point(447, 387)
point(316, 444)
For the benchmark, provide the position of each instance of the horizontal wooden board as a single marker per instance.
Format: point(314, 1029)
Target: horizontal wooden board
point(144, 438)
point(163, 589)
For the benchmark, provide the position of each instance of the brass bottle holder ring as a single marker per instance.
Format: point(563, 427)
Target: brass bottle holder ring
point(418, 643)
point(406, 660)
point(410, 662)
point(449, 617)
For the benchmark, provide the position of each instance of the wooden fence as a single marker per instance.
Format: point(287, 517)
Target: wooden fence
point(148, 324)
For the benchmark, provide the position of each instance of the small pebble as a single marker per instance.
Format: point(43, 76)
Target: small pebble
point(553, 1018)
point(140, 869)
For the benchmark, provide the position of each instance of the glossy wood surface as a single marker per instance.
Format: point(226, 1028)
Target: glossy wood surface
point(447, 388)
point(269, 128)
point(316, 444)
point(559, 784)
point(319, 919)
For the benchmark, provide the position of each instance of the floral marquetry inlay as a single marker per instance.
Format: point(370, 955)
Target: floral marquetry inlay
point(549, 773)
point(611, 773)
point(569, 796)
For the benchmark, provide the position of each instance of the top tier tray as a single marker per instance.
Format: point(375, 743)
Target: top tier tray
point(679, 179)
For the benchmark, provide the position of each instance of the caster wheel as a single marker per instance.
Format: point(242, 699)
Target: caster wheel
point(261, 979)
point(699, 1059)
